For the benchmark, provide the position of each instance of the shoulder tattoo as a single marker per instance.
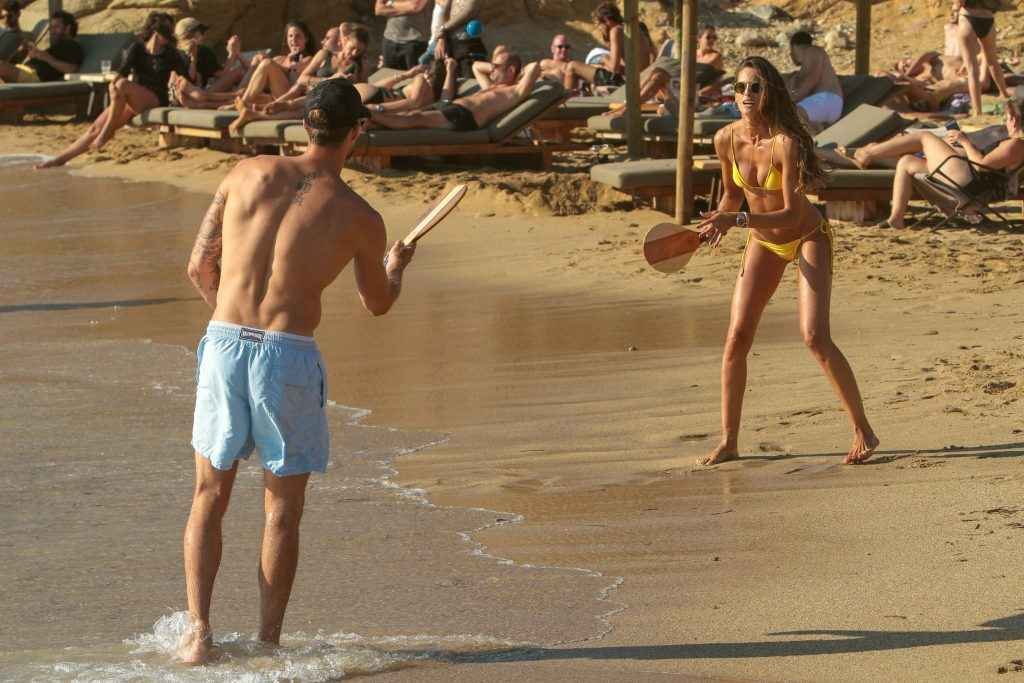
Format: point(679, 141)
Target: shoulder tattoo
point(303, 186)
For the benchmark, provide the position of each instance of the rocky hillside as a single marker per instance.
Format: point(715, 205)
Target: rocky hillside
point(901, 28)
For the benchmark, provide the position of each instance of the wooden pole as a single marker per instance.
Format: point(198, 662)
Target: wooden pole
point(634, 124)
point(863, 55)
point(686, 42)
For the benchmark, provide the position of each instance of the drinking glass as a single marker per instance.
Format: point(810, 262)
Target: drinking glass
point(105, 66)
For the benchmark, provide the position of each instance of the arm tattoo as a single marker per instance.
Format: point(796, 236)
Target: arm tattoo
point(303, 186)
point(207, 249)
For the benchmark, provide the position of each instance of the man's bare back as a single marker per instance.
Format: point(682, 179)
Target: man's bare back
point(288, 230)
point(816, 74)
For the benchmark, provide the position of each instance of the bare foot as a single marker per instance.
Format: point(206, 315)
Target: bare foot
point(244, 117)
point(723, 453)
point(863, 448)
point(860, 158)
point(196, 646)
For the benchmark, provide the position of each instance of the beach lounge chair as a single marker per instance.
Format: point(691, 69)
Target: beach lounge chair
point(972, 202)
point(17, 98)
point(860, 126)
point(864, 89)
point(378, 147)
point(653, 181)
point(660, 133)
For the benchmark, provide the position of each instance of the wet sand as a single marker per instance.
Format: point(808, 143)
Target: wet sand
point(575, 388)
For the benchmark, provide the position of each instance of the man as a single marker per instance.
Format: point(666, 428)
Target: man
point(815, 87)
point(504, 85)
point(65, 55)
point(203, 62)
point(406, 33)
point(278, 232)
point(612, 70)
point(12, 16)
point(457, 40)
point(554, 68)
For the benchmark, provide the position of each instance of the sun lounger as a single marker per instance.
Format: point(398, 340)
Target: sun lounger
point(379, 146)
point(847, 191)
point(21, 97)
point(864, 89)
point(864, 124)
point(652, 181)
point(660, 133)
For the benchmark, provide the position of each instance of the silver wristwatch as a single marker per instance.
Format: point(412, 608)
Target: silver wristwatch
point(742, 219)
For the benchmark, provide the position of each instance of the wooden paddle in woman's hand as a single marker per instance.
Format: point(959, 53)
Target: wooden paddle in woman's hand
point(668, 247)
point(437, 214)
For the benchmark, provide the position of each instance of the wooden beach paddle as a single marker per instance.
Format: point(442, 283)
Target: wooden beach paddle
point(437, 214)
point(668, 247)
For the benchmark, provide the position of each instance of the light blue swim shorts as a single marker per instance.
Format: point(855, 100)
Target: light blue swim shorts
point(260, 389)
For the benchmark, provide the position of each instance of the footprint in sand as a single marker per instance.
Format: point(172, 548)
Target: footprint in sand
point(693, 437)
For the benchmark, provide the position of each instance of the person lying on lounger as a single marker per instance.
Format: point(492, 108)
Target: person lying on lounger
point(1007, 154)
point(510, 84)
point(425, 87)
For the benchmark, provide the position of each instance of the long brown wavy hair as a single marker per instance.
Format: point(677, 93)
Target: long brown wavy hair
point(780, 113)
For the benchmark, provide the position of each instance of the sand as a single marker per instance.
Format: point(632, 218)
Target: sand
point(583, 406)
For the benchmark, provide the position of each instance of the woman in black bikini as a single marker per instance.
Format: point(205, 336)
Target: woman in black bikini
point(977, 35)
point(150, 62)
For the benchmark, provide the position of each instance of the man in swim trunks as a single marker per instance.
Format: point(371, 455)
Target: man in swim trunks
point(279, 231)
point(507, 84)
point(815, 87)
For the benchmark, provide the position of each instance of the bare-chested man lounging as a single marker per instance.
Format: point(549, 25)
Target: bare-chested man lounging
point(815, 87)
point(502, 87)
point(279, 231)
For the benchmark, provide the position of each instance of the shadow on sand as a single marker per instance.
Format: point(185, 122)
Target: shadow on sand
point(823, 642)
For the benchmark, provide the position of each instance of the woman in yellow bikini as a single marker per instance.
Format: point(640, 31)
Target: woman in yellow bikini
point(768, 159)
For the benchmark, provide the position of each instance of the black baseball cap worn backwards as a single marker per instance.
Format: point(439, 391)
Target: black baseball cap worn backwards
point(334, 104)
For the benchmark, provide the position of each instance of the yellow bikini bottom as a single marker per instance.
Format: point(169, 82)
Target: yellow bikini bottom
point(790, 251)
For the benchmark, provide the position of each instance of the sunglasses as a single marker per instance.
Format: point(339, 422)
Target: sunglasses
point(742, 87)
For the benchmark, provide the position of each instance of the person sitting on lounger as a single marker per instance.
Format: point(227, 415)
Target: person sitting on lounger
point(343, 54)
point(612, 70)
point(267, 80)
point(150, 62)
point(203, 65)
point(64, 56)
point(554, 68)
point(1007, 154)
point(815, 87)
point(508, 85)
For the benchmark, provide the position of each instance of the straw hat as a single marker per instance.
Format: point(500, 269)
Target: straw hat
point(187, 26)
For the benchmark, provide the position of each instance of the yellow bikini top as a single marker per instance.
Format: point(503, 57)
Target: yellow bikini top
point(772, 181)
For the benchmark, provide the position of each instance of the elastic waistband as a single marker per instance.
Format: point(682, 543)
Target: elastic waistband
point(254, 334)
